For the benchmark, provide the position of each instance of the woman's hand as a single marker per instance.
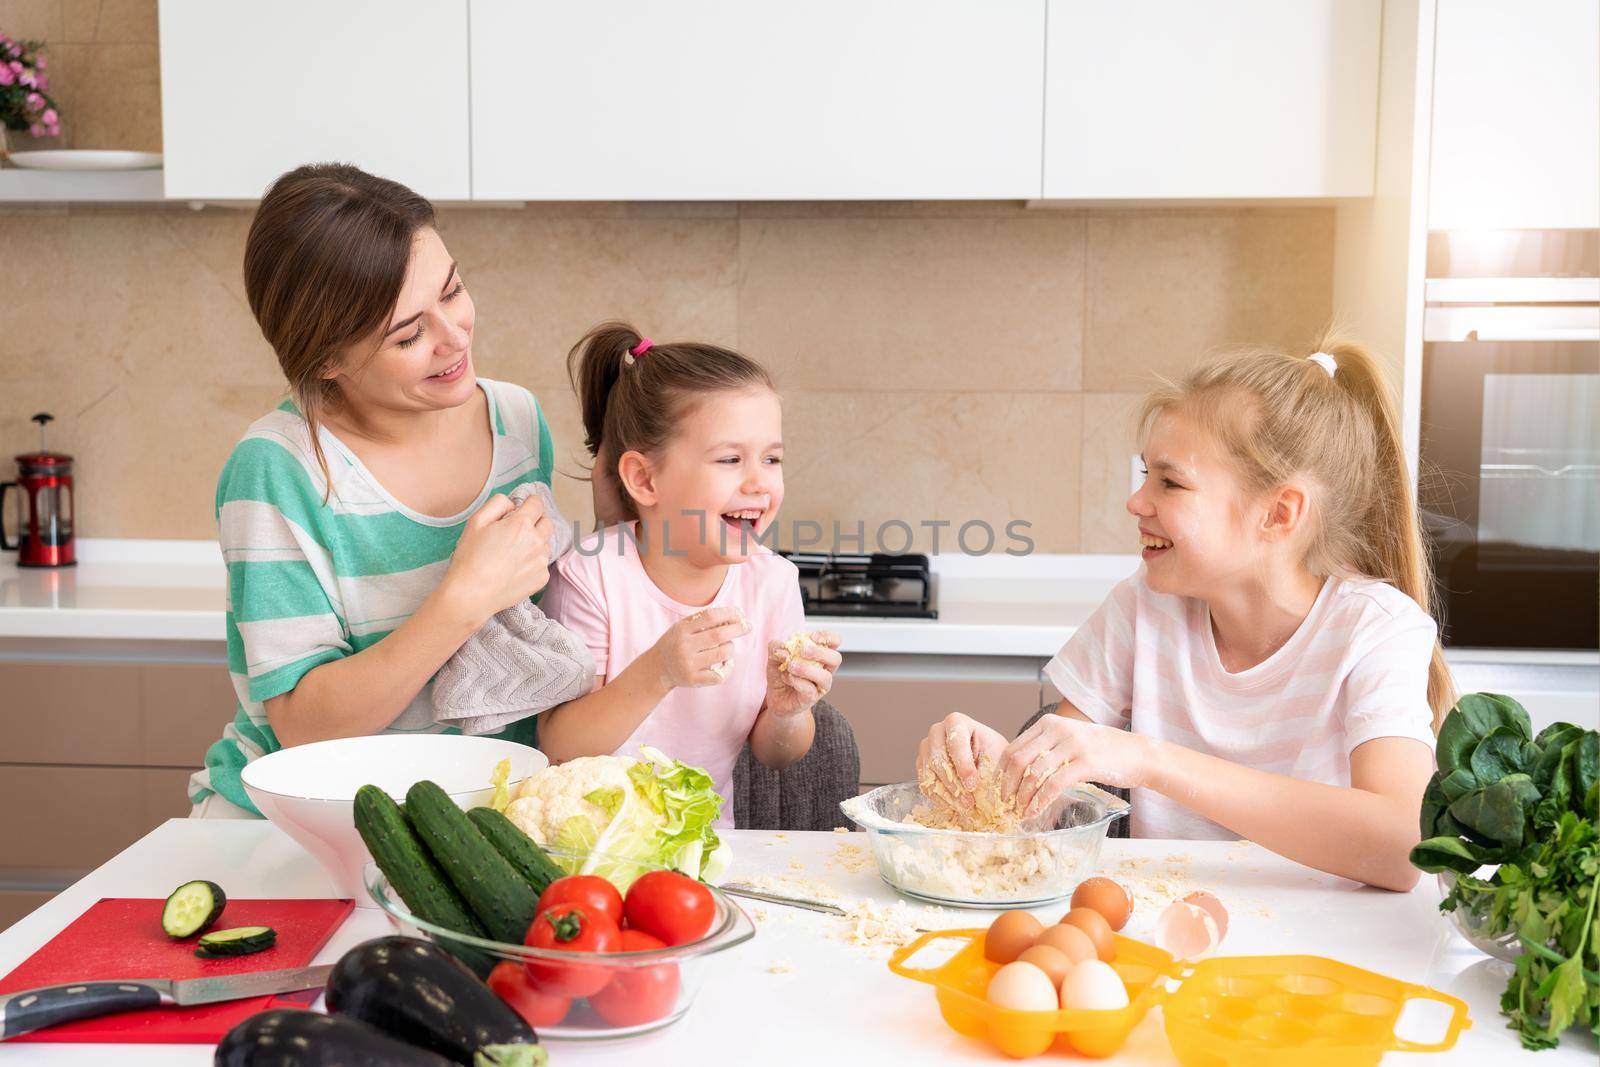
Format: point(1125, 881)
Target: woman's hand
point(952, 752)
point(691, 651)
point(806, 678)
point(1058, 752)
point(503, 557)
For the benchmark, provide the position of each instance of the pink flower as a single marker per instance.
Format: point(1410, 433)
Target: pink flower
point(26, 77)
point(49, 118)
point(6, 77)
point(16, 68)
point(33, 101)
point(42, 63)
point(36, 130)
point(43, 83)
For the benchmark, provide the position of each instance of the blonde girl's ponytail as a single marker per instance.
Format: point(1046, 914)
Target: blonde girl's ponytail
point(1392, 548)
point(1331, 418)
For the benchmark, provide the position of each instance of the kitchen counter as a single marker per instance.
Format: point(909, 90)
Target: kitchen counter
point(174, 591)
point(798, 994)
point(151, 594)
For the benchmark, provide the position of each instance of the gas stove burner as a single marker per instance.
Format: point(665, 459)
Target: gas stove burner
point(865, 586)
point(851, 588)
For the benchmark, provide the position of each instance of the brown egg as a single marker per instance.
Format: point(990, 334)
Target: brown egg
point(1069, 941)
point(1009, 936)
point(1094, 924)
point(1051, 961)
point(1106, 897)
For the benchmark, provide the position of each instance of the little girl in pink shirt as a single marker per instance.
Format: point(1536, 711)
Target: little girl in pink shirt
point(1272, 671)
point(686, 613)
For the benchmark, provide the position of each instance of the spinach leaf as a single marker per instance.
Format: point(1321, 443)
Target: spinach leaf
point(1495, 812)
point(1474, 717)
point(1449, 854)
point(1498, 754)
point(1458, 783)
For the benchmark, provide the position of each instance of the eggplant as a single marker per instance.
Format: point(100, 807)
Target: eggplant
point(292, 1037)
point(418, 992)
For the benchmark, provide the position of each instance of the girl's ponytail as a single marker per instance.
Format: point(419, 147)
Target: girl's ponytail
point(595, 365)
point(1391, 546)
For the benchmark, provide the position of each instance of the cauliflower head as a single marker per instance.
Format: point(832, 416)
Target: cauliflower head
point(554, 795)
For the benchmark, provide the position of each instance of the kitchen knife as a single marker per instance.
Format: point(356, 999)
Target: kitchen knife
point(35, 1009)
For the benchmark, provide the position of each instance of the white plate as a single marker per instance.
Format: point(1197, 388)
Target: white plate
point(85, 159)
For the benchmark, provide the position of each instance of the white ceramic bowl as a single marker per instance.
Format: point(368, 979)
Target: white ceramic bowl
point(309, 791)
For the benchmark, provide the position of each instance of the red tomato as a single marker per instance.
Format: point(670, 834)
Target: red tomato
point(568, 928)
point(638, 995)
point(671, 906)
point(593, 894)
point(510, 983)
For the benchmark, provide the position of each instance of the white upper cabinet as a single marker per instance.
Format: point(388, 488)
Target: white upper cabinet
point(250, 90)
point(1516, 115)
point(753, 99)
point(1211, 98)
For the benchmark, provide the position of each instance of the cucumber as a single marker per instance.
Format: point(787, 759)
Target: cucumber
point(520, 850)
point(412, 873)
point(239, 941)
point(192, 908)
point(497, 894)
point(415, 877)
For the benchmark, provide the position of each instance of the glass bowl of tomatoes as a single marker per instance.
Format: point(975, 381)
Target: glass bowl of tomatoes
point(596, 963)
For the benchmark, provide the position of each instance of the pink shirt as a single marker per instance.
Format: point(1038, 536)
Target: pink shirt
point(1356, 669)
point(600, 591)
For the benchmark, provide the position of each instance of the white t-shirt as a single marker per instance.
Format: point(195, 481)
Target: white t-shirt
point(1356, 669)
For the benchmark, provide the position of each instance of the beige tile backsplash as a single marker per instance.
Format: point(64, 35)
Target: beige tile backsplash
point(939, 361)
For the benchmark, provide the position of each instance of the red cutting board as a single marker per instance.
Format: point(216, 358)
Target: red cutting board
point(121, 937)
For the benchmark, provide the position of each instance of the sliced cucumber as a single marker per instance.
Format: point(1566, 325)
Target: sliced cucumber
point(192, 908)
point(239, 941)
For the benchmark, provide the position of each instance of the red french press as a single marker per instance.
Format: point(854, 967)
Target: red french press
point(44, 521)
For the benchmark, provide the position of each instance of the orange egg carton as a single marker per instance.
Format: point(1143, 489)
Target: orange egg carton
point(1239, 1011)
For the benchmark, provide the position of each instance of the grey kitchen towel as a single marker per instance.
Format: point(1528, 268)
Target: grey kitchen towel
point(519, 663)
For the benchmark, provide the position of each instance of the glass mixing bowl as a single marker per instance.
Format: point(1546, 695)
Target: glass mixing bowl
point(665, 980)
point(1042, 864)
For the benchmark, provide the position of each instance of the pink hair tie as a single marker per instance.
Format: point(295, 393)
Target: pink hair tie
point(637, 350)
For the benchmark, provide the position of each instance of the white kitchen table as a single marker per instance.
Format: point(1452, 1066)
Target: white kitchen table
point(798, 994)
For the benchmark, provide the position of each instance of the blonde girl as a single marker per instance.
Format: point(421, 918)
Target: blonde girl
point(1273, 670)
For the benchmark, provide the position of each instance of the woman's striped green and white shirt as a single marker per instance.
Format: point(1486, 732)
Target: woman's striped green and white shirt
point(310, 582)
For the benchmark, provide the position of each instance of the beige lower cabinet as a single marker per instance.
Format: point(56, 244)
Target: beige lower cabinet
point(92, 757)
point(891, 714)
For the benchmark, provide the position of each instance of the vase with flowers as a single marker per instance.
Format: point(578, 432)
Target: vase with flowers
point(25, 102)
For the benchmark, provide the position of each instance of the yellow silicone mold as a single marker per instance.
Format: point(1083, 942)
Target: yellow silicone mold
point(1253, 1010)
point(1241, 1011)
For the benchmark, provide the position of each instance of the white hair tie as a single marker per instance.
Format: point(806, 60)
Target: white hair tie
point(1325, 361)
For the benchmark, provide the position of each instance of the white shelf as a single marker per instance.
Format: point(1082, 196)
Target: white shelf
point(80, 186)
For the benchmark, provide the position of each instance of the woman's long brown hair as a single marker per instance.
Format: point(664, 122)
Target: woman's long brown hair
point(323, 267)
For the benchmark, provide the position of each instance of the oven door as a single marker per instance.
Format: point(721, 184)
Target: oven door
point(1509, 479)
